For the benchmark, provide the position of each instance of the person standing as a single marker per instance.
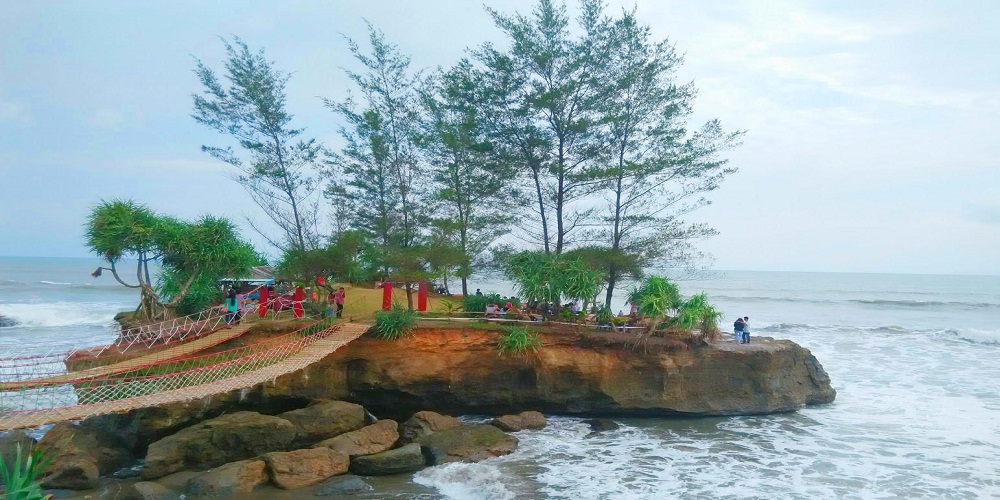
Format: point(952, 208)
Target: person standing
point(738, 328)
point(331, 304)
point(232, 307)
point(339, 298)
point(746, 330)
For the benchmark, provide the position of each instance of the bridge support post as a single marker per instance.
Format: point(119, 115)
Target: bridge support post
point(386, 295)
point(422, 291)
point(262, 309)
point(300, 295)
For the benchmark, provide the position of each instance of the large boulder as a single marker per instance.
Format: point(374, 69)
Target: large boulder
point(406, 459)
point(467, 443)
point(79, 456)
point(424, 423)
point(300, 468)
point(524, 420)
point(228, 480)
point(325, 419)
point(214, 442)
point(367, 440)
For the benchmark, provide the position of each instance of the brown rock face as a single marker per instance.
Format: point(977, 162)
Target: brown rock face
point(9, 442)
point(403, 459)
point(524, 420)
point(459, 371)
point(301, 468)
point(423, 423)
point(228, 480)
point(211, 443)
point(145, 490)
point(468, 443)
point(374, 438)
point(324, 420)
point(80, 455)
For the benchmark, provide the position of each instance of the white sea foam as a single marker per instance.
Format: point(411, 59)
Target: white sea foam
point(54, 282)
point(481, 480)
point(60, 314)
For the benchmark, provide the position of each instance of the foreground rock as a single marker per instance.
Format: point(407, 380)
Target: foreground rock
point(405, 459)
point(228, 480)
point(424, 423)
point(374, 438)
point(145, 490)
point(598, 425)
point(79, 456)
point(343, 485)
point(218, 441)
point(468, 443)
point(9, 442)
point(325, 419)
point(300, 468)
point(524, 420)
point(457, 371)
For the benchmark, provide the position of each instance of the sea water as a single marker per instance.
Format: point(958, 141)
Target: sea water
point(915, 360)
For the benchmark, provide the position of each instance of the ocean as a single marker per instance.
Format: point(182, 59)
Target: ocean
point(914, 359)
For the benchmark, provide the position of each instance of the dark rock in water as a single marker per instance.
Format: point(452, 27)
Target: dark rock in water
point(6, 322)
point(145, 490)
point(325, 419)
point(601, 425)
point(525, 420)
point(424, 423)
point(343, 485)
point(467, 443)
point(228, 480)
point(211, 443)
point(80, 455)
point(405, 459)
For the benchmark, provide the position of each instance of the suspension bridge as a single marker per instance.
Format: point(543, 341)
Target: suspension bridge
point(154, 365)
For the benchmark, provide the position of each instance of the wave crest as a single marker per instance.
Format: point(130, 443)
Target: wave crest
point(59, 314)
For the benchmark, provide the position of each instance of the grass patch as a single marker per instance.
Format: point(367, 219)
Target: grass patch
point(22, 479)
point(393, 324)
point(518, 340)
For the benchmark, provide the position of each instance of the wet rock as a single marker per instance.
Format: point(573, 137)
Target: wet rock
point(7, 322)
point(367, 440)
point(228, 480)
point(80, 455)
point(300, 468)
point(524, 420)
point(424, 423)
point(146, 490)
point(467, 443)
point(343, 485)
point(406, 459)
point(601, 425)
point(325, 419)
point(214, 442)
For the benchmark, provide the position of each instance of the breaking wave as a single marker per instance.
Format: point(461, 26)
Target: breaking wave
point(59, 314)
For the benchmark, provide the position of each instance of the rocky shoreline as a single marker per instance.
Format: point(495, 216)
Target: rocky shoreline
point(316, 428)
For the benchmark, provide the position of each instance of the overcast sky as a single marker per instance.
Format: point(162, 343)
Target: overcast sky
point(872, 127)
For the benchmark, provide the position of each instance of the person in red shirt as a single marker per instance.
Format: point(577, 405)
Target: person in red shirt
point(338, 299)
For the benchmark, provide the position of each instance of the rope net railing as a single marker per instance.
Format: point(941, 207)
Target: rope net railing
point(177, 380)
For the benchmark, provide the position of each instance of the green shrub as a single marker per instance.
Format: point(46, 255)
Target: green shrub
point(391, 325)
point(451, 306)
point(604, 316)
point(518, 340)
point(23, 477)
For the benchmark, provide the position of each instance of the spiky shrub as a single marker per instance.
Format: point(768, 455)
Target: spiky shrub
point(697, 314)
point(478, 303)
point(22, 479)
point(518, 340)
point(393, 324)
point(450, 306)
point(604, 316)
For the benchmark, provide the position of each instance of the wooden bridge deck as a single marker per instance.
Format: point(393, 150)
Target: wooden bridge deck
point(309, 354)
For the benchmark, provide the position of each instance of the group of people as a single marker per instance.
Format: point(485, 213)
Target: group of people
point(495, 311)
point(741, 330)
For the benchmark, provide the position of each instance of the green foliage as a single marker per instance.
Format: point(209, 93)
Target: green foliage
point(604, 315)
point(192, 255)
point(542, 277)
point(697, 313)
point(350, 257)
point(277, 165)
point(519, 340)
point(393, 324)
point(22, 479)
point(656, 297)
point(450, 306)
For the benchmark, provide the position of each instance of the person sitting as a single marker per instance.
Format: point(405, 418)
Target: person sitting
point(491, 311)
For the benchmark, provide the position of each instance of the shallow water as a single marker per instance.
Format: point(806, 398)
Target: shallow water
point(914, 360)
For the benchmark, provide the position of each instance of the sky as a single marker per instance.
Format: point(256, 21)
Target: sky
point(871, 127)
